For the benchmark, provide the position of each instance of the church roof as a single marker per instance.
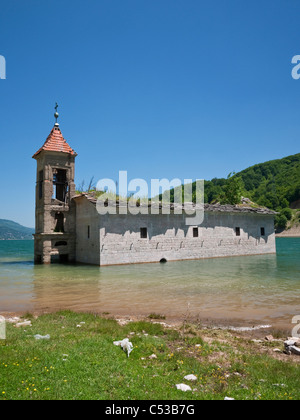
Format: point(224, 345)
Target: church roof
point(56, 143)
point(227, 208)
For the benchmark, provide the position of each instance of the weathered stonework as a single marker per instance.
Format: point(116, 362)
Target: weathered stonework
point(55, 234)
point(116, 239)
point(69, 228)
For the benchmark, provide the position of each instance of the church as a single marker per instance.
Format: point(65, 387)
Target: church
point(70, 229)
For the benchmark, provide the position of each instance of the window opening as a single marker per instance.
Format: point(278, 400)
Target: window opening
point(144, 233)
point(60, 185)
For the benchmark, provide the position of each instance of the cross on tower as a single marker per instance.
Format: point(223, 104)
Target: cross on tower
point(56, 115)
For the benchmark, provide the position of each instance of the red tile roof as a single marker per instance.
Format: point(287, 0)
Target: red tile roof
point(56, 143)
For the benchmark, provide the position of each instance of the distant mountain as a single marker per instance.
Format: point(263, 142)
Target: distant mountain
point(12, 230)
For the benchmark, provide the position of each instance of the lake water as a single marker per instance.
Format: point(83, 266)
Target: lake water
point(253, 289)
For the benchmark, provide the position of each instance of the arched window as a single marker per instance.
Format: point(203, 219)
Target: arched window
point(60, 185)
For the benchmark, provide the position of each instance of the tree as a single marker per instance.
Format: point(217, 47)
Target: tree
point(233, 190)
point(287, 213)
point(281, 222)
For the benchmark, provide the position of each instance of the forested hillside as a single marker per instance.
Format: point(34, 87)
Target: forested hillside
point(274, 184)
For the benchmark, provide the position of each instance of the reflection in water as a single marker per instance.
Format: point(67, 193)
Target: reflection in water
point(263, 289)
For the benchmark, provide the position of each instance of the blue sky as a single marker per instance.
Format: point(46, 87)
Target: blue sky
point(160, 88)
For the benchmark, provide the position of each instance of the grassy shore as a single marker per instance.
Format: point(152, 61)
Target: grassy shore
point(79, 361)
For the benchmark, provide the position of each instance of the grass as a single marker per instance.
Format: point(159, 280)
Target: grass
point(82, 363)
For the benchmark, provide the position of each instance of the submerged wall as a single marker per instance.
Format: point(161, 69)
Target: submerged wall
point(169, 238)
point(87, 233)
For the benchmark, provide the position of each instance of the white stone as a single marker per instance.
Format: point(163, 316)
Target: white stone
point(153, 356)
point(291, 342)
point(24, 324)
point(183, 387)
point(190, 378)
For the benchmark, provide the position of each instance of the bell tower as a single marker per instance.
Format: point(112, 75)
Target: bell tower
point(55, 230)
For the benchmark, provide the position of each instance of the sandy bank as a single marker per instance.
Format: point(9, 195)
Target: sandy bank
point(294, 232)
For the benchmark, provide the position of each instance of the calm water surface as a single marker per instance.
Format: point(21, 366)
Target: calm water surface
point(255, 289)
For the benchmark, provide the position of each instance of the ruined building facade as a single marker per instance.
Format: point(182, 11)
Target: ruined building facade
point(69, 228)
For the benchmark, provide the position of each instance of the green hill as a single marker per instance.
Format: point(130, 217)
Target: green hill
point(274, 184)
point(12, 230)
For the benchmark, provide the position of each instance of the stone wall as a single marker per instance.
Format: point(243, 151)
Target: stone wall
point(116, 239)
point(87, 233)
point(169, 238)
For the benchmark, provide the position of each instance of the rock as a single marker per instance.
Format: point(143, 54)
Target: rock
point(269, 338)
point(290, 347)
point(190, 378)
point(295, 350)
point(292, 341)
point(24, 324)
point(153, 356)
point(123, 322)
point(13, 320)
point(245, 200)
point(183, 387)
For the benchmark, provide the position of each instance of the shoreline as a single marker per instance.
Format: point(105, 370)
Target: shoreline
point(249, 329)
point(281, 235)
point(266, 339)
point(293, 232)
